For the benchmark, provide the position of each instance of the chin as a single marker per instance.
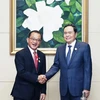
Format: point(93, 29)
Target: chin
point(68, 42)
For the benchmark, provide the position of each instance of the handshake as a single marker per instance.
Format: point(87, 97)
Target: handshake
point(42, 79)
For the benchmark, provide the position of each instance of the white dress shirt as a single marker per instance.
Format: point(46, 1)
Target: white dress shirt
point(72, 47)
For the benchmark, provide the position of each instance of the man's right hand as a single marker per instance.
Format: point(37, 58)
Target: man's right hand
point(42, 79)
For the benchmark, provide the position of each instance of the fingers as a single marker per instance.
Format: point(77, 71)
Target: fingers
point(42, 96)
point(86, 93)
point(42, 79)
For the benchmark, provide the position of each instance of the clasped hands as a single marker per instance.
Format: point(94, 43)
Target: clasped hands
point(42, 79)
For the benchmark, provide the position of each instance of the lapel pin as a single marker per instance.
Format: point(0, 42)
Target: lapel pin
point(75, 48)
point(39, 59)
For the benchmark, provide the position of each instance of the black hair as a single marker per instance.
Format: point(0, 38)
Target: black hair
point(36, 31)
point(74, 27)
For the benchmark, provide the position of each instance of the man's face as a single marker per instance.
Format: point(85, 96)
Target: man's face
point(34, 40)
point(69, 34)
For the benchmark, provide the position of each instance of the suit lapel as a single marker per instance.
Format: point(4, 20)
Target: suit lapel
point(63, 50)
point(75, 50)
point(28, 54)
point(38, 60)
point(30, 58)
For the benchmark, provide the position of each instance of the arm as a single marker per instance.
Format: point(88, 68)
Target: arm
point(43, 65)
point(87, 70)
point(52, 71)
point(54, 68)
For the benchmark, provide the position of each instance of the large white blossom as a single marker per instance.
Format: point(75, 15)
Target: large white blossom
point(47, 17)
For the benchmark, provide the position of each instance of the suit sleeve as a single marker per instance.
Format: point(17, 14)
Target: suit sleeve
point(54, 68)
point(43, 86)
point(87, 68)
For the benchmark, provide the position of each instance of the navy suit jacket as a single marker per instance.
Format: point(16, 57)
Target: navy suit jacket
point(26, 78)
point(77, 75)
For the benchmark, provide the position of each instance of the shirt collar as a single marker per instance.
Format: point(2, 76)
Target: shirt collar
point(31, 50)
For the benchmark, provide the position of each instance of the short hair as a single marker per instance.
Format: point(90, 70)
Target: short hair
point(74, 27)
point(36, 31)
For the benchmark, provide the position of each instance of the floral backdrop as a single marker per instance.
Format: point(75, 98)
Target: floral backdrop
point(49, 17)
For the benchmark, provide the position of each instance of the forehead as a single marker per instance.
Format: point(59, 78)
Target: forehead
point(35, 34)
point(69, 28)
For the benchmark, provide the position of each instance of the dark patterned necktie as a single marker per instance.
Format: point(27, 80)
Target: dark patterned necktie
point(36, 59)
point(68, 55)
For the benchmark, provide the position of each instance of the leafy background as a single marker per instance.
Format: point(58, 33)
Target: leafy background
point(72, 13)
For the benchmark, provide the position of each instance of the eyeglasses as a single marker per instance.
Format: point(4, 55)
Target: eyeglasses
point(33, 39)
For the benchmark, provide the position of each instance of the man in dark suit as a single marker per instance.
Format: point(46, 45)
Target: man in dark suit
point(27, 86)
point(75, 74)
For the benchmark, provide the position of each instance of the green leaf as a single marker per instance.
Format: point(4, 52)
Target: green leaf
point(79, 7)
point(57, 45)
point(30, 2)
point(65, 7)
point(71, 17)
point(73, 8)
point(66, 22)
point(80, 1)
point(72, 2)
point(44, 45)
point(19, 21)
point(79, 36)
point(58, 36)
point(79, 22)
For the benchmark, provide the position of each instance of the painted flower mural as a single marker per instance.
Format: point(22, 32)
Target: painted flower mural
point(49, 17)
point(44, 17)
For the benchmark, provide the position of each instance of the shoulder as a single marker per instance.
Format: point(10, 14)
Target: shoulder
point(22, 51)
point(40, 53)
point(62, 46)
point(82, 43)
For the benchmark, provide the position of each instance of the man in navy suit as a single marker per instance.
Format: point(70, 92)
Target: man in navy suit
point(75, 77)
point(27, 86)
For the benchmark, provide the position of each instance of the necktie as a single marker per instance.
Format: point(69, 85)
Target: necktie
point(36, 59)
point(68, 54)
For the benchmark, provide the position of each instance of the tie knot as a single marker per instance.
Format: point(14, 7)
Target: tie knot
point(35, 53)
point(69, 46)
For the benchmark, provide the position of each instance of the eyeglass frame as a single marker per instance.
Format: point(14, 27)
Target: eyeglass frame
point(33, 39)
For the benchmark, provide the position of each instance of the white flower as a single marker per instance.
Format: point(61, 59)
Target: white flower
point(47, 17)
point(50, 1)
point(67, 2)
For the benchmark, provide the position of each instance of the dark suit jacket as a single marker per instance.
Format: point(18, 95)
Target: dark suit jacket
point(26, 79)
point(76, 76)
